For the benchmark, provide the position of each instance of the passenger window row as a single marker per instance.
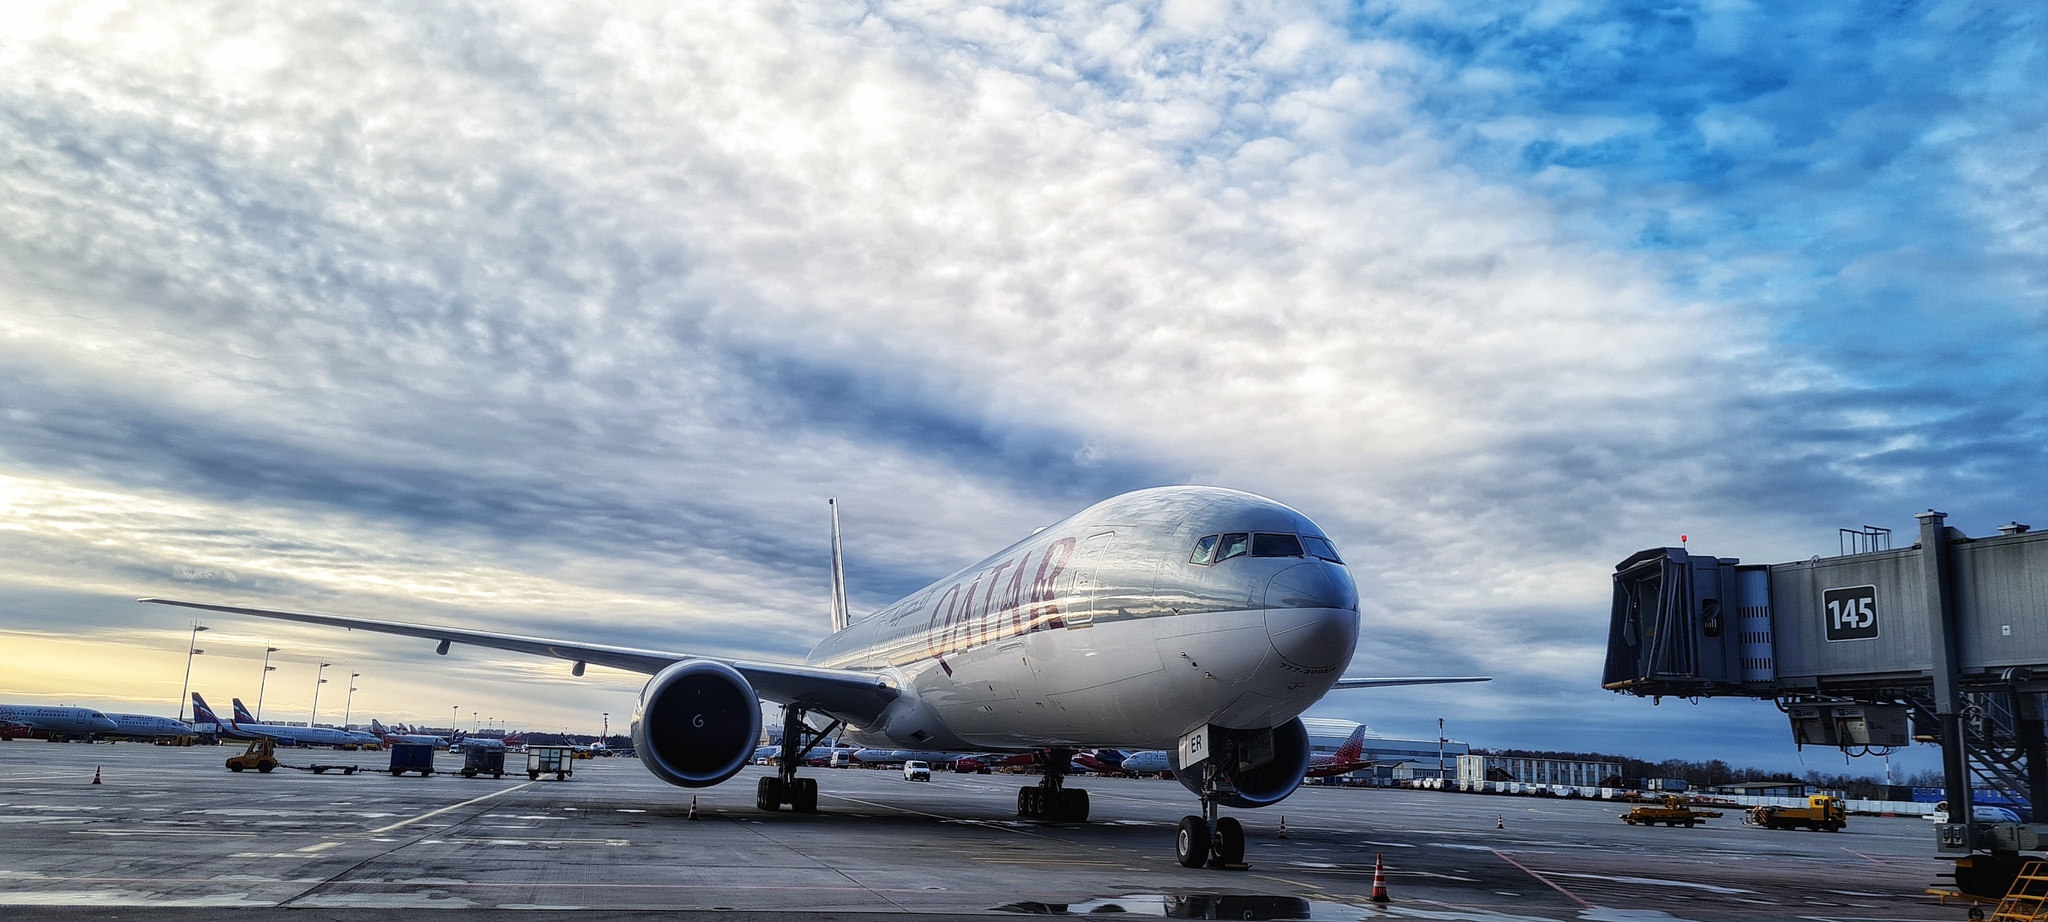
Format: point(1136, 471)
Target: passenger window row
point(1213, 549)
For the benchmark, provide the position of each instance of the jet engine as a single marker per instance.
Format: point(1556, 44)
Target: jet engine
point(1261, 767)
point(697, 723)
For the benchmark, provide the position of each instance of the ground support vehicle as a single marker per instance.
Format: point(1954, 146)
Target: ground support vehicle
point(481, 757)
point(1671, 811)
point(550, 760)
point(1821, 812)
point(412, 757)
point(261, 756)
point(914, 770)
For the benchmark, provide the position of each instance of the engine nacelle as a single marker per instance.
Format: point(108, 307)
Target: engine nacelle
point(1262, 776)
point(697, 723)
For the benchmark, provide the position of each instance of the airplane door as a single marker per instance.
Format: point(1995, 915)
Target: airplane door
point(1088, 579)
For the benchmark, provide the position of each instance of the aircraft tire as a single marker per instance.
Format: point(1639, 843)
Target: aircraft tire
point(806, 799)
point(1074, 805)
point(1023, 803)
point(1191, 842)
point(768, 794)
point(1229, 841)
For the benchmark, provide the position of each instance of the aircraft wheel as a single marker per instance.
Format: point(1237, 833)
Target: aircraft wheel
point(1191, 842)
point(1075, 805)
point(1229, 841)
point(768, 794)
point(1023, 802)
point(806, 799)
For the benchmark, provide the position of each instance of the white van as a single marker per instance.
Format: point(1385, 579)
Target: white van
point(914, 770)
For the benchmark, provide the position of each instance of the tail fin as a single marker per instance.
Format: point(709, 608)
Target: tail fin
point(1354, 746)
point(242, 713)
point(378, 728)
point(201, 714)
point(840, 617)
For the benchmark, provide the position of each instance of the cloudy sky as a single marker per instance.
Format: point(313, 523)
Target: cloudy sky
point(567, 321)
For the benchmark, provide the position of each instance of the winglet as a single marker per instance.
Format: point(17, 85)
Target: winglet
point(839, 614)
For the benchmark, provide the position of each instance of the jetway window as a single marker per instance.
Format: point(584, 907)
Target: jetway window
point(1271, 545)
point(1321, 547)
point(1205, 551)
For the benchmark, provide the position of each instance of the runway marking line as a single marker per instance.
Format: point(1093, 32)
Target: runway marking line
point(401, 824)
point(1863, 856)
point(1545, 880)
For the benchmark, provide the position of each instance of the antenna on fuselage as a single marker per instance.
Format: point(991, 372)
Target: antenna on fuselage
point(839, 617)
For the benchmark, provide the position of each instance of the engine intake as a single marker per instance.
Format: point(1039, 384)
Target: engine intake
point(697, 723)
point(1262, 766)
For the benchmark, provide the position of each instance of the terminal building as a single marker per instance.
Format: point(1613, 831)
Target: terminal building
point(1475, 769)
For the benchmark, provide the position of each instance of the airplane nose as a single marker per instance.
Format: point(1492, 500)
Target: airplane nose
point(1312, 615)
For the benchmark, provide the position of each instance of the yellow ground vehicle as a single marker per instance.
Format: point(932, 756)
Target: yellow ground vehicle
point(1671, 811)
point(1821, 812)
point(261, 756)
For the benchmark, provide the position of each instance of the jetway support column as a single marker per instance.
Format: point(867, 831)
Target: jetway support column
point(2026, 710)
point(1948, 698)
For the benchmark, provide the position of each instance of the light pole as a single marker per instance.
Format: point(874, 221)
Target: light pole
point(1440, 749)
point(318, 681)
point(192, 650)
point(454, 714)
point(349, 708)
point(607, 737)
point(267, 670)
point(473, 724)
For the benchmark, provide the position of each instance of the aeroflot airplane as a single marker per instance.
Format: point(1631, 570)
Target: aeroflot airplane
point(297, 736)
point(1193, 619)
point(58, 721)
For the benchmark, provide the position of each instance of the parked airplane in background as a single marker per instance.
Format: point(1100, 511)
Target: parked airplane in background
point(1345, 760)
point(1146, 762)
point(150, 727)
point(390, 737)
point(297, 736)
point(57, 721)
point(1195, 619)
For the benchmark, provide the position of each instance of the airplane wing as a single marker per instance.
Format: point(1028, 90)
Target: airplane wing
point(850, 695)
point(1362, 682)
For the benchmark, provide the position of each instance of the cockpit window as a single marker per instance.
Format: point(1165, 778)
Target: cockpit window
point(1233, 546)
point(1320, 547)
point(1270, 545)
point(1205, 551)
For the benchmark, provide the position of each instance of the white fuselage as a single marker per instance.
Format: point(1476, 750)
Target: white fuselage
point(1102, 631)
point(61, 720)
point(150, 726)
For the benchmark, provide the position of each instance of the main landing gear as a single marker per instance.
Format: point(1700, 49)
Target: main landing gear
point(801, 794)
point(1050, 798)
point(1209, 840)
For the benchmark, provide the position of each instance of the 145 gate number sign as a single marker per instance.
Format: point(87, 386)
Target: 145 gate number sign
point(1851, 612)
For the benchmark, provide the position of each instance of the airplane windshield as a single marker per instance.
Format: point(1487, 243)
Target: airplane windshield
point(1321, 547)
point(1233, 545)
point(1270, 545)
point(1205, 551)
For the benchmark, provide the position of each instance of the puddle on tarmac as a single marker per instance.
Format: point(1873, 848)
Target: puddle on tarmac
point(1195, 906)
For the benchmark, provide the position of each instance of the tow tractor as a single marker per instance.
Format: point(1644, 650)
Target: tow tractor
point(262, 756)
point(1821, 812)
point(1671, 811)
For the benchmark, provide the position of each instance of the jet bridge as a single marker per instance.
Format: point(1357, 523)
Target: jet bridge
point(1945, 641)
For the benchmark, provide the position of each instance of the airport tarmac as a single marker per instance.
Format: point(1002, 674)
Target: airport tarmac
point(172, 828)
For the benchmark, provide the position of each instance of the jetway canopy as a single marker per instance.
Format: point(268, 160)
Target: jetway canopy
point(1694, 626)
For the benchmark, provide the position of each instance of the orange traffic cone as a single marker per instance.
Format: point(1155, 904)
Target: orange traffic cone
point(1379, 878)
point(1500, 821)
point(1283, 826)
point(693, 807)
point(95, 774)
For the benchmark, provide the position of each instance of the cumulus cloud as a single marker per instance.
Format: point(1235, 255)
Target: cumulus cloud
point(557, 319)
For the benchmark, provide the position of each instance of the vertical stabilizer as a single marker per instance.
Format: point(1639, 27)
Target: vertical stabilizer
point(839, 616)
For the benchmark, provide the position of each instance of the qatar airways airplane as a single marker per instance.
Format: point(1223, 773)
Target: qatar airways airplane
point(1198, 620)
